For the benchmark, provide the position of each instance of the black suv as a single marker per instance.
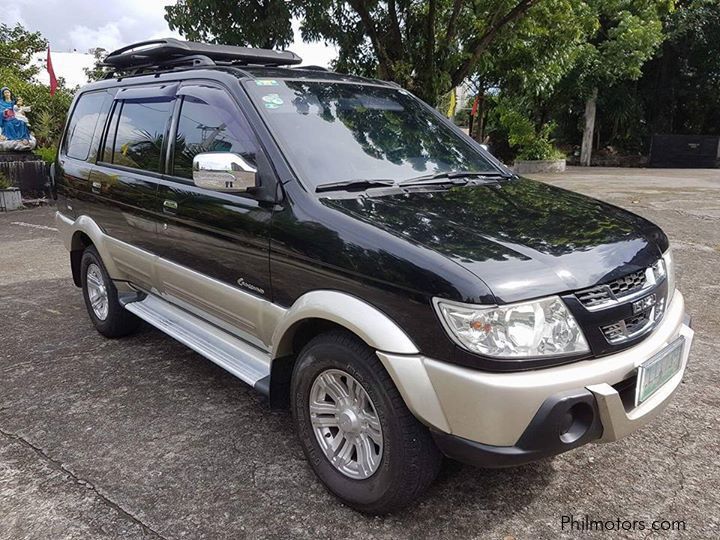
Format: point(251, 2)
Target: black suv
point(345, 249)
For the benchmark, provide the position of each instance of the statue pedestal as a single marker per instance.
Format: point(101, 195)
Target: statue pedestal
point(10, 199)
point(28, 172)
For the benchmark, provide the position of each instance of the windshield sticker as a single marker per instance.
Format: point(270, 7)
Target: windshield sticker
point(272, 101)
point(266, 82)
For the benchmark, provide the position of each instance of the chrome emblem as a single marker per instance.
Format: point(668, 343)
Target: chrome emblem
point(644, 304)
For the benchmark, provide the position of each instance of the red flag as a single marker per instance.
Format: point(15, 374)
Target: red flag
point(51, 71)
point(475, 104)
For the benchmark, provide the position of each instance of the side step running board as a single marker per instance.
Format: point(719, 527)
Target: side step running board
point(245, 361)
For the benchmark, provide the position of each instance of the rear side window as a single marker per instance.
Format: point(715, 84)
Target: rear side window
point(136, 134)
point(88, 118)
point(210, 122)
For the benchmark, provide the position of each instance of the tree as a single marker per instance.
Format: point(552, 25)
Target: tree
point(680, 88)
point(428, 47)
point(98, 71)
point(17, 47)
point(523, 69)
point(252, 23)
point(627, 34)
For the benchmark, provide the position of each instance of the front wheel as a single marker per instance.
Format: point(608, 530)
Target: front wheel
point(355, 429)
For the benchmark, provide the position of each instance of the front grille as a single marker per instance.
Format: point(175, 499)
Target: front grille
point(597, 296)
point(627, 328)
point(633, 326)
point(629, 283)
point(617, 313)
point(607, 293)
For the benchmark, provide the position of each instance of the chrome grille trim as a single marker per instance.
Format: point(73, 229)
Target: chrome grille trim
point(635, 325)
point(624, 289)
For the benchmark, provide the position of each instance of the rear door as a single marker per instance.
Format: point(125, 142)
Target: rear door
point(79, 151)
point(125, 180)
point(214, 246)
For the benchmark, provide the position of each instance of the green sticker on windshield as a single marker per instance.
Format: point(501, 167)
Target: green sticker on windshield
point(266, 82)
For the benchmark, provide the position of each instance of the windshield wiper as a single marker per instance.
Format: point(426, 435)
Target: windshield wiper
point(452, 175)
point(353, 185)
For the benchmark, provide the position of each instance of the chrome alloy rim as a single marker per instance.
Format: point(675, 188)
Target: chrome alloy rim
point(97, 291)
point(346, 424)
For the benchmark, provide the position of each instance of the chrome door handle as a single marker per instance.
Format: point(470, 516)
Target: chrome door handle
point(96, 187)
point(170, 206)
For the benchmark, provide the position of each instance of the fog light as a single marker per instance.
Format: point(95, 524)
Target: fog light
point(576, 422)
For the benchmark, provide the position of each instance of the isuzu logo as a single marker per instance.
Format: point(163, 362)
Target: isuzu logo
point(644, 304)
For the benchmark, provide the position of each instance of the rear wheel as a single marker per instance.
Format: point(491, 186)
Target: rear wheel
point(355, 429)
point(110, 318)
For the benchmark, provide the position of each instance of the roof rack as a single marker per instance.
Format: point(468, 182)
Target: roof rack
point(172, 53)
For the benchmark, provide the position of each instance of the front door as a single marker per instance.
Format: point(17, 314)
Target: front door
point(213, 246)
point(124, 180)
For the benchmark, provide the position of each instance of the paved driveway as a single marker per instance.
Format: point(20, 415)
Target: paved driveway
point(142, 438)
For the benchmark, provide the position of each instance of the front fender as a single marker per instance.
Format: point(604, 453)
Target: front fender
point(367, 322)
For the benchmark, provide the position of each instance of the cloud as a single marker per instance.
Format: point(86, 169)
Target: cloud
point(109, 37)
point(11, 16)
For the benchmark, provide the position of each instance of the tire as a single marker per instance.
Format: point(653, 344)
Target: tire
point(409, 460)
point(109, 317)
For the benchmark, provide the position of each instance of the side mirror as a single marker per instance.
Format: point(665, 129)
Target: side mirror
point(223, 171)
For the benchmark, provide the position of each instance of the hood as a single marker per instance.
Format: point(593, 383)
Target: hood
point(524, 239)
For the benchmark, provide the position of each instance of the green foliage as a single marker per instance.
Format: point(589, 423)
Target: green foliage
point(530, 142)
point(97, 72)
point(4, 181)
point(47, 153)
point(626, 35)
point(680, 88)
point(17, 47)
point(244, 22)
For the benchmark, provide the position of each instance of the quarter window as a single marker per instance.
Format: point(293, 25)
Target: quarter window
point(138, 139)
point(85, 126)
point(210, 122)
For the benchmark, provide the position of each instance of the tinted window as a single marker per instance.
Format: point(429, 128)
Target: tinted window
point(139, 136)
point(85, 125)
point(210, 122)
point(335, 132)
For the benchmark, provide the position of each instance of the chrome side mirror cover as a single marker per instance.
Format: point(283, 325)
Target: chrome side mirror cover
point(223, 171)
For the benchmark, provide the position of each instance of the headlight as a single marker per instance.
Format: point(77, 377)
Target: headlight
point(670, 273)
point(529, 329)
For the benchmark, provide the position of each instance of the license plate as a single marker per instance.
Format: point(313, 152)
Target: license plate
point(658, 370)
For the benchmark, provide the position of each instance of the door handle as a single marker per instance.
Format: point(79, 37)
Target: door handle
point(96, 187)
point(170, 207)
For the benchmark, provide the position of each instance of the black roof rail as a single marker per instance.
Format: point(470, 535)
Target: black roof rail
point(314, 68)
point(171, 52)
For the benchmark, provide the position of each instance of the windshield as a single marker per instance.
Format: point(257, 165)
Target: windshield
point(334, 132)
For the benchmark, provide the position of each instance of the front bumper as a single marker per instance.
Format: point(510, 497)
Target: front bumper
point(501, 419)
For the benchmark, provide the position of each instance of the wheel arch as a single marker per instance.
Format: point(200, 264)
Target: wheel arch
point(321, 311)
point(78, 235)
point(79, 242)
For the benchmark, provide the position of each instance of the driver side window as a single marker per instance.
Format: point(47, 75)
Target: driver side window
point(211, 123)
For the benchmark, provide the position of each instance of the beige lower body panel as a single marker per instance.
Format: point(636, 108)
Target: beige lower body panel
point(495, 408)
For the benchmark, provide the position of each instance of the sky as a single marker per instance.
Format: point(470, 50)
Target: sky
point(79, 25)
